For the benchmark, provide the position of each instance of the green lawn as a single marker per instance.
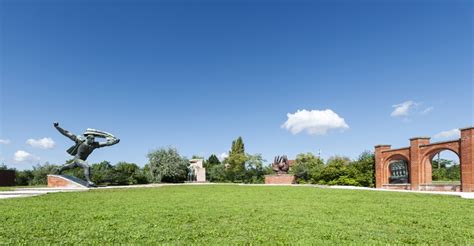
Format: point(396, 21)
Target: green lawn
point(224, 214)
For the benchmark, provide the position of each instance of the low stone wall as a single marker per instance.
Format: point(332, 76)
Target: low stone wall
point(424, 187)
point(280, 179)
point(397, 186)
point(440, 187)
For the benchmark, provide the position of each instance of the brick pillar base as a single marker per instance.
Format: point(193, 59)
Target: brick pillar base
point(65, 181)
point(280, 179)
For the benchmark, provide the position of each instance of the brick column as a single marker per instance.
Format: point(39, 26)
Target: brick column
point(379, 160)
point(416, 169)
point(467, 159)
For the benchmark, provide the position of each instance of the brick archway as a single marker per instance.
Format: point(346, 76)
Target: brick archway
point(419, 155)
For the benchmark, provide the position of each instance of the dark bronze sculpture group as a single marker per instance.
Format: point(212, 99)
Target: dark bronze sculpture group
point(83, 148)
point(281, 165)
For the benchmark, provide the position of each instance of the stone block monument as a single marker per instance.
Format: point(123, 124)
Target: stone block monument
point(197, 172)
point(280, 166)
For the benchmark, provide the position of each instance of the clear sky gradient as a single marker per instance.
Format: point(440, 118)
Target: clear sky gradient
point(197, 74)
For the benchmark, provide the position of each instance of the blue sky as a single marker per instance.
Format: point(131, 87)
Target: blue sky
point(197, 74)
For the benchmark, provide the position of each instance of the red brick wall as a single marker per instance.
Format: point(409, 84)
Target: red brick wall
point(416, 168)
point(379, 162)
point(467, 161)
point(59, 182)
point(280, 179)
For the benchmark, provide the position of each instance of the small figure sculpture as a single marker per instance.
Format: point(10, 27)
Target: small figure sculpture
point(281, 165)
point(83, 148)
point(191, 174)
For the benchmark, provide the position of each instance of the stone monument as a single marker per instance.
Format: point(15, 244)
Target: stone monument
point(83, 147)
point(280, 166)
point(197, 172)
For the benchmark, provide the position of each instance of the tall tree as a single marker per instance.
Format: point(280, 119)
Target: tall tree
point(238, 146)
point(236, 161)
point(213, 160)
point(166, 165)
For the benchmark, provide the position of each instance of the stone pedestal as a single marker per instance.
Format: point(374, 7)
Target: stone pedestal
point(65, 181)
point(280, 179)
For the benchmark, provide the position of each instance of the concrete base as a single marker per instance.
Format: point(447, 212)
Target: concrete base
point(440, 187)
point(396, 186)
point(280, 179)
point(65, 181)
point(424, 187)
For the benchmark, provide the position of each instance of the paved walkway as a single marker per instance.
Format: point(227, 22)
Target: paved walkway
point(29, 192)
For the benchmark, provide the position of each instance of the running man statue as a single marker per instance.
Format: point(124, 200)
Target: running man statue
point(84, 147)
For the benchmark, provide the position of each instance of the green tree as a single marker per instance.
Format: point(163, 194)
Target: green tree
point(4, 167)
point(103, 173)
point(209, 164)
point(40, 173)
point(238, 146)
point(336, 172)
point(128, 174)
point(24, 177)
point(254, 170)
point(235, 163)
point(445, 170)
point(212, 161)
point(166, 165)
point(362, 170)
point(307, 168)
point(216, 173)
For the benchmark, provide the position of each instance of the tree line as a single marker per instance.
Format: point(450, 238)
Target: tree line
point(168, 166)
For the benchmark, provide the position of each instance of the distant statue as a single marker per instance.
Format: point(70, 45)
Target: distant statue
point(84, 147)
point(281, 165)
point(191, 174)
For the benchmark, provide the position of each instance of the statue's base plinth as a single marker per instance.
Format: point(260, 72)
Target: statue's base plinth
point(66, 181)
point(280, 179)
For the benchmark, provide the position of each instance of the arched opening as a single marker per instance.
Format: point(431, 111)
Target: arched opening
point(445, 168)
point(398, 172)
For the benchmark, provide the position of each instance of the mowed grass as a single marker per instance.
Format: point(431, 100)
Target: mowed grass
point(232, 214)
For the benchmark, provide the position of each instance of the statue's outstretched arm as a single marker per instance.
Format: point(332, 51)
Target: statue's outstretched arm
point(110, 141)
point(65, 132)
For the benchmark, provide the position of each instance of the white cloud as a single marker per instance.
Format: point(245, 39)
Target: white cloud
point(427, 110)
point(23, 156)
point(402, 109)
point(223, 155)
point(314, 122)
point(4, 141)
point(44, 143)
point(448, 134)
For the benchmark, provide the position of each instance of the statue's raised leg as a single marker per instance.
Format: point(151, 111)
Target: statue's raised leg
point(66, 166)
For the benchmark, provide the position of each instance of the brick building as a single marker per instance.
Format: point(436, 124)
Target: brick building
point(417, 158)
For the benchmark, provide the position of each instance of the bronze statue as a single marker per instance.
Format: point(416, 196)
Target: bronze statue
point(84, 147)
point(281, 165)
